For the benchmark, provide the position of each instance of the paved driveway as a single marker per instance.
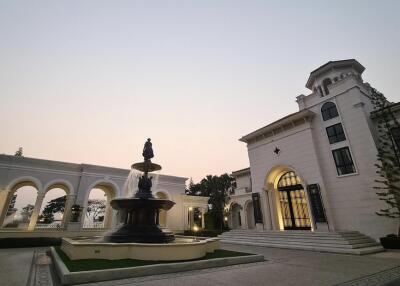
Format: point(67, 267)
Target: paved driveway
point(283, 267)
point(15, 266)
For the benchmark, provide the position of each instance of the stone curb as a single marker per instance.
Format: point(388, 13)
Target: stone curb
point(70, 278)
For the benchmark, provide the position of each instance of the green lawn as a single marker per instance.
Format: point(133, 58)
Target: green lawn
point(96, 264)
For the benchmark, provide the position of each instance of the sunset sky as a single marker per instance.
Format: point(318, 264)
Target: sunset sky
point(90, 81)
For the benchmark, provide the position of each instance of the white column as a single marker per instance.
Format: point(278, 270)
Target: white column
point(188, 217)
point(67, 210)
point(203, 211)
point(36, 210)
point(4, 202)
point(270, 217)
point(108, 216)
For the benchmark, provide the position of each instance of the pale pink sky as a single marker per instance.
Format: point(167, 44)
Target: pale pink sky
point(89, 81)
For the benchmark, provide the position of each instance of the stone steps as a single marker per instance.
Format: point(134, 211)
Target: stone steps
point(333, 243)
point(349, 242)
point(335, 240)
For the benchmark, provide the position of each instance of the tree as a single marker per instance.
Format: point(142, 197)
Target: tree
point(388, 166)
point(27, 211)
point(11, 206)
point(218, 189)
point(19, 152)
point(96, 208)
point(56, 205)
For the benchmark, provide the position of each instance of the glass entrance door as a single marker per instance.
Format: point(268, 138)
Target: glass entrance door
point(293, 203)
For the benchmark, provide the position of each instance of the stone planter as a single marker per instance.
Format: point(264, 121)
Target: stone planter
point(390, 242)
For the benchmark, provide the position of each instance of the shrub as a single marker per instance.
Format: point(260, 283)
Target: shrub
point(15, 242)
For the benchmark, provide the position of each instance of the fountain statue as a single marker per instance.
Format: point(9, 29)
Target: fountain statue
point(141, 212)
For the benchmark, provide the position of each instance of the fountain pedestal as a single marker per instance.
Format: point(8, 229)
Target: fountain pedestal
point(142, 211)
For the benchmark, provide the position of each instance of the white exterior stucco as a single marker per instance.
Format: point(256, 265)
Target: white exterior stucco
point(350, 201)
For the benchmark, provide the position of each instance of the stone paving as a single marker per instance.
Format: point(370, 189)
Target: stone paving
point(31, 267)
point(15, 266)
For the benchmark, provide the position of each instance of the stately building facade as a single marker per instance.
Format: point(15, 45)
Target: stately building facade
point(314, 169)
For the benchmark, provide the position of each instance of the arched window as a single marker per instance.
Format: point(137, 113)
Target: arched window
point(329, 111)
point(289, 179)
point(325, 83)
point(293, 202)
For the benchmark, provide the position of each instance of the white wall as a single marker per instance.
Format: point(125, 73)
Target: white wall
point(350, 201)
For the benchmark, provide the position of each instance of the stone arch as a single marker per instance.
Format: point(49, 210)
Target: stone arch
point(25, 181)
point(235, 217)
point(13, 187)
point(61, 184)
point(69, 190)
point(249, 214)
point(109, 187)
point(111, 190)
point(163, 215)
point(271, 186)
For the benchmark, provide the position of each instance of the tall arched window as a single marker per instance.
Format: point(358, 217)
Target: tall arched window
point(325, 83)
point(329, 111)
point(293, 202)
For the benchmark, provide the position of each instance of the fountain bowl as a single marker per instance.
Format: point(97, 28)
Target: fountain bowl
point(146, 166)
point(183, 248)
point(136, 203)
point(140, 223)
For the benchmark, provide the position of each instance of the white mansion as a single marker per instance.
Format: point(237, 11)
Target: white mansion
point(314, 169)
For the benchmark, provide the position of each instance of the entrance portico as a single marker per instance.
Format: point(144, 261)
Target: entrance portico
point(287, 200)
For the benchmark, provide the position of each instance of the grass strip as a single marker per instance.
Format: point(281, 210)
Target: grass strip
point(98, 264)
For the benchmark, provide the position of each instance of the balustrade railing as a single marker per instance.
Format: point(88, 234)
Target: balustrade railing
point(52, 226)
point(93, 225)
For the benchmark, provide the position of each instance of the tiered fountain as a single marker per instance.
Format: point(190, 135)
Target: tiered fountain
point(142, 211)
point(140, 236)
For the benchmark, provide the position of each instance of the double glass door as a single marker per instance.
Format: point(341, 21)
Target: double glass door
point(293, 203)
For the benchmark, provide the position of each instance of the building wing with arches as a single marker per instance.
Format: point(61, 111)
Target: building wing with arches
point(77, 182)
point(314, 169)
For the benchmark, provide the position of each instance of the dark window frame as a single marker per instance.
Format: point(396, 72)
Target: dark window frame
point(335, 133)
point(395, 133)
point(395, 136)
point(329, 111)
point(325, 83)
point(344, 165)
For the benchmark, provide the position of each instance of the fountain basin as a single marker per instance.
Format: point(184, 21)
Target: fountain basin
point(183, 248)
point(140, 221)
point(146, 166)
point(135, 203)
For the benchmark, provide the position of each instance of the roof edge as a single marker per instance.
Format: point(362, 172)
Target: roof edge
point(325, 67)
point(304, 113)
